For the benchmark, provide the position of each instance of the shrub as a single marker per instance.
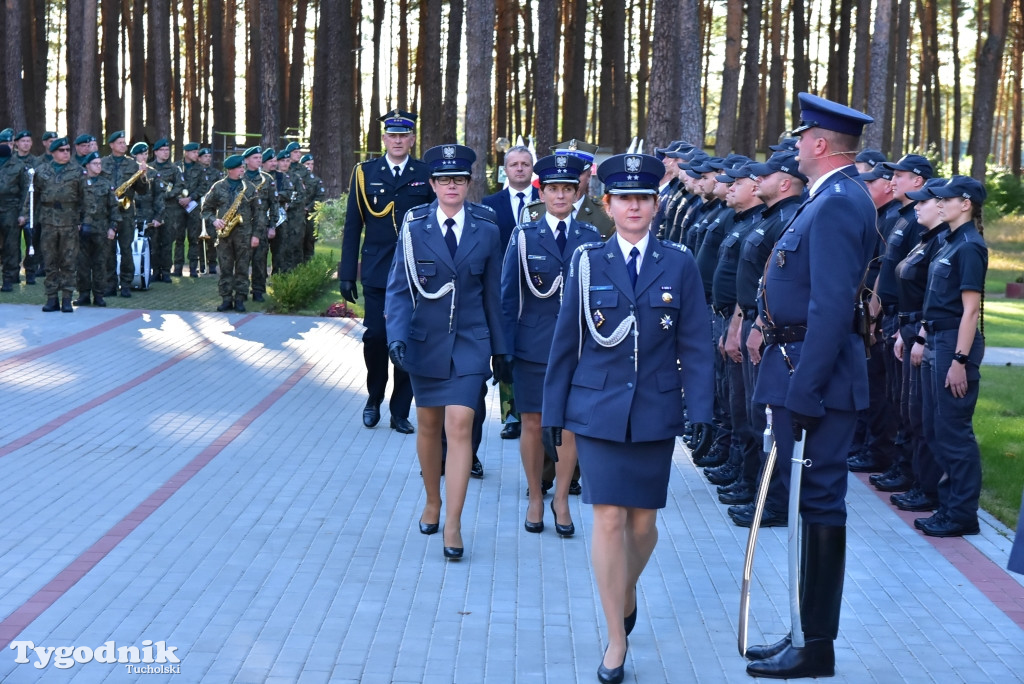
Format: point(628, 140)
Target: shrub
point(1005, 194)
point(329, 218)
point(297, 288)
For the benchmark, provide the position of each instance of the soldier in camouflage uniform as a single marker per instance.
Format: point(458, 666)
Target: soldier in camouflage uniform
point(296, 224)
point(168, 245)
point(199, 179)
point(266, 190)
point(234, 252)
point(120, 168)
point(84, 144)
point(149, 211)
point(59, 191)
point(318, 194)
point(285, 192)
point(13, 194)
point(23, 149)
point(190, 219)
point(101, 218)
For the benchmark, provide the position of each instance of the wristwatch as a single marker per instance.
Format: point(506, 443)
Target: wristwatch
point(960, 358)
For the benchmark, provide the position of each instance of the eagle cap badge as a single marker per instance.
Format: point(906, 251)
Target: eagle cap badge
point(632, 164)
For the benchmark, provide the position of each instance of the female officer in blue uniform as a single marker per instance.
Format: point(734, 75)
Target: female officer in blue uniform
point(631, 334)
point(952, 308)
point(536, 261)
point(443, 311)
point(911, 283)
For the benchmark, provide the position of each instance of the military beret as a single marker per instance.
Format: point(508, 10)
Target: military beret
point(84, 138)
point(162, 142)
point(58, 143)
point(255, 149)
point(204, 151)
point(190, 147)
point(6, 136)
point(48, 135)
point(925, 193)
point(914, 163)
point(398, 121)
point(291, 147)
point(784, 161)
point(116, 135)
point(139, 148)
point(962, 186)
point(559, 168)
point(577, 148)
point(450, 160)
point(89, 157)
point(817, 112)
point(631, 174)
point(283, 154)
point(22, 134)
point(7, 131)
point(305, 158)
point(233, 162)
point(268, 154)
point(870, 157)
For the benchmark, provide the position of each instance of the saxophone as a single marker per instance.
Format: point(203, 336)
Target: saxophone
point(232, 218)
point(123, 188)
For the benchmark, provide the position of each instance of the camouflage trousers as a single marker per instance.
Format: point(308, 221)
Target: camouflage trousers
point(94, 250)
point(175, 227)
point(259, 266)
point(234, 254)
point(10, 245)
point(308, 238)
point(60, 249)
point(200, 252)
point(288, 251)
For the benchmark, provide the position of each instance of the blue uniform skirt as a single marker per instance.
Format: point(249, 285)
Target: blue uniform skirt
point(630, 474)
point(528, 385)
point(455, 390)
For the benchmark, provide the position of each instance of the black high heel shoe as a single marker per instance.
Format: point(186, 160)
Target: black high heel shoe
point(428, 528)
point(452, 552)
point(613, 675)
point(629, 622)
point(562, 530)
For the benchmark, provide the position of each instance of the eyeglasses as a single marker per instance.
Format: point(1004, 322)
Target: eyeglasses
point(448, 180)
point(63, 149)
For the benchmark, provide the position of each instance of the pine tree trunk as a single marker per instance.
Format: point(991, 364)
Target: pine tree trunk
point(879, 84)
point(901, 75)
point(724, 139)
point(450, 109)
point(332, 78)
point(574, 65)
point(775, 118)
point(613, 102)
point(987, 75)
point(177, 108)
point(158, 95)
point(13, 87)
point(861, 54)
point(544, 101)
point(269, 92)
point(113, 100)
point(666, 72)
point(801, 58)
point(479, 65)
point(137, 70)
point(502, 69)
point(193, 58)
point(292, 116)
point(954, 11)
point(746, 131)
point(428, 74)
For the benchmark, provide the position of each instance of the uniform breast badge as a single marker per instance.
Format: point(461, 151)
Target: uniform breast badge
point(780, 258)
point(423, 280)
point(666, 322)
point(537, 281)
point(666, 297)
point(598, 318)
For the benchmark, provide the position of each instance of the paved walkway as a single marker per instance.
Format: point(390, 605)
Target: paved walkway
point(203, 482)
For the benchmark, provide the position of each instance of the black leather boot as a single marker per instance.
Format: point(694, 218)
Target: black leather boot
point(240, 304)
point(65, 304)
point(51, 304)
point(824, 571)
point(226, 304)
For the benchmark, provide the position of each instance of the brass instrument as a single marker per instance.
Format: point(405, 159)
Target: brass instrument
point(122, 189)
point(203, 235)
point(232, 218)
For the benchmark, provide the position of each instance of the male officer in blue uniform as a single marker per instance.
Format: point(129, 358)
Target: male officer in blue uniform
point(813, 371)
point(382, 190)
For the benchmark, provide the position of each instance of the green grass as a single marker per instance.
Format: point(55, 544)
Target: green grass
point(1005, 240)
point(1004, 322)
point(999, 426)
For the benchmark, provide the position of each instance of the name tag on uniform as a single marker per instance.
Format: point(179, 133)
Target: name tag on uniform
point(539, 257)
point(601, 288)
point(414, 184)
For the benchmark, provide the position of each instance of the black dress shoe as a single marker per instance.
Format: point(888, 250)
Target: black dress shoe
point(769, 518)
point(762, 651)
point(402, 425)
point(715, 457)
point(477, 470)
point(816, 659)
point(915, 501)
point(574, 488)
point(563, 530)
point(511, 430)
point(723, 474)
point(900, 483)
point(612, 675)
point(893, 471)
point(864, 463)
point(737, 495)
point(939, 515)
point(125, 292)
point(947, 527)
point(629, 622)
point(371, 414)
point(534, 527)
point(428, 528)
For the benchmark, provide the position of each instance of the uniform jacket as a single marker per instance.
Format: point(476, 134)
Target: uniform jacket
point(593, 212)
point(13, 185)
point(476, 326)
point(379, 235)
point(812, 279)
point(266, 192)
point(199, 179)
point(504, 215)
point(530, 320)
point(119, 170)
point(101, 209)
point(149, 206)
point(305, 188)
point(170, 182)
point(597, 391)
point(220, 198)
point(59, 194)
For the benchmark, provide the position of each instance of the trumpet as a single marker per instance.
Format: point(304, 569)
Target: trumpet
point(122, 189)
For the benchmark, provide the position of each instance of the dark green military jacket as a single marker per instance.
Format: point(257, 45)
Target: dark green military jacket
point(287, 196)
point(149, 206)
point(266, 191)
point(304, 186)
point(199, 179)
point(170, 181)
point(59, 192)
point(101, 209)
point(120, 169)
point(13, 185)
point(219, 199)
point(318, 194)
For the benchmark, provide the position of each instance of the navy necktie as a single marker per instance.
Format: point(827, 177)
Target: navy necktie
point(560, 238)
point(449, 236)
point(522, 203)
point(397, 170)
point(631, 265)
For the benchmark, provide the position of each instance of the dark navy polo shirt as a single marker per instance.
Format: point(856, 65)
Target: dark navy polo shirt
point(757, 247)
point(912, 272)
point(713, 229)
point(723, 283)
point(960, 264)
point(905, 233)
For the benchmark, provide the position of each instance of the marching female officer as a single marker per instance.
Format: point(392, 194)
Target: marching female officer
point(532, 279)
point(443, 313)
point(632, 333)
point(952, 308)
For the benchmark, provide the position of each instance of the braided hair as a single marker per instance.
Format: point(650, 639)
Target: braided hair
point(976, 216)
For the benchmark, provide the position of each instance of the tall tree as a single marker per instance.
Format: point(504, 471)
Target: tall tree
point(954, 11)
point(178, 120)
point(613, 103)
point(1016, 64)
point(373, 126)
point(544, 102)
point(666, 72)
point(502, 67)
point(643, 73)
point(730, 78)
point(901, 75)
point(861, 53)
point(801, 56)
point(746, 132)
point(35, 52)
point(878, 87)
point(332, 76)
point(574, 65)
point(14, 94)
point(193, 58)
point(158, 91)
point(449, 110)
point(479, 65)
point(691, 109)
point(269, 92)
point(986, 83)
point(137, 69)
point(253, 65)
point(402, 84)
point(292, 117)
point(775, 117)
point(428, 73)
point(83, 77)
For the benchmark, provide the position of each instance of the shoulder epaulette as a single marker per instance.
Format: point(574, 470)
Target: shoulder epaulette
point(592, 245)
point(413, 216)
point(481, 211)
point(838, 188)
point(674, 245)
point(588, 226)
